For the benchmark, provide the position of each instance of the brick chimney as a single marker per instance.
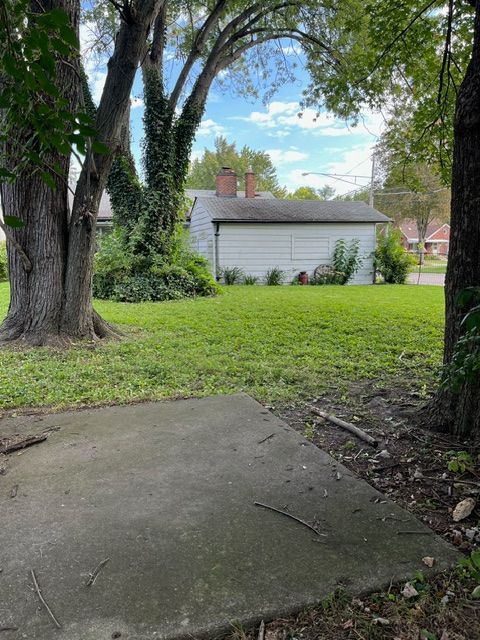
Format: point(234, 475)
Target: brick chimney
point(249, 183)
point(226, 182)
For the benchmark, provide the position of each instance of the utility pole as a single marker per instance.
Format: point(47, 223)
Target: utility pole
point(372, 183)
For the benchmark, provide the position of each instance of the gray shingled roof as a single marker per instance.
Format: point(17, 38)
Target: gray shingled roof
point(276, 210)
point(211, 193)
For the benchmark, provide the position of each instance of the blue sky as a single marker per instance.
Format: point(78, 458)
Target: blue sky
point(296, 145)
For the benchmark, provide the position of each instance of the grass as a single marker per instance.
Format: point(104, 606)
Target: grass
point(280, 344)
point(432, 266)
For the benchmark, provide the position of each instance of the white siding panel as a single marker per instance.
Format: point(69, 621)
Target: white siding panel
point(201, 232)
point(293, 247)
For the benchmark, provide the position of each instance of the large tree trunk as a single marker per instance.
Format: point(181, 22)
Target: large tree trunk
point(52, 302)
point(459, 412)
point(36, 297)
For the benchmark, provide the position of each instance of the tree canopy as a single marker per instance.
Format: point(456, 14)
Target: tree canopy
point(204, 169)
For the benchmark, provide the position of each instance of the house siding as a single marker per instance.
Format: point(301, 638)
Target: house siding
point(202, 234)
point(293, 247)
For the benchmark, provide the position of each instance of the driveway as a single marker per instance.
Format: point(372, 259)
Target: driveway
point(427, 278)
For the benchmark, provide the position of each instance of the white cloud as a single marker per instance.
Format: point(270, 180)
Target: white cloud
point(209, 127)
point(136, 102)
point(279, 156)
point(282, 118)
point(196, 155)
point(293, 49)
point(355, 161)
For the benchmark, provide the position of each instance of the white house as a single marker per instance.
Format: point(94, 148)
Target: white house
point(258, 232)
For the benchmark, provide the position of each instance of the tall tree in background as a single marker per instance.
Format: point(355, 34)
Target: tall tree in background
point(425, 197)
point(309, 193)
point(203, 170)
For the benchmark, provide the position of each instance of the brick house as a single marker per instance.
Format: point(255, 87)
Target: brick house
point(437, 238)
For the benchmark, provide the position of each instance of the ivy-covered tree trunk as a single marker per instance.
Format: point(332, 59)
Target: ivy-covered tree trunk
point(153, 212)
point(459, 412)
point(51, 295)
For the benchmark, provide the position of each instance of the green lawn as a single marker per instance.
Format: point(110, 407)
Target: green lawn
point(432, 266)
point(276, 343)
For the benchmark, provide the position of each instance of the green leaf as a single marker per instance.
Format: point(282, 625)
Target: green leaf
point(465, 296)
point(14, 222)
point(476, 593)
point(5, 173)
point(100, 147)
point(48, 179)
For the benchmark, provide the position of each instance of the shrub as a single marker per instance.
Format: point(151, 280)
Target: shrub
point(231, 275)
point(3, 260)
point(112, 265)
point(346, 260)
point(274, 277)
point(326, 274)
point(123, 277)
point(250, 280)
point(391, 259)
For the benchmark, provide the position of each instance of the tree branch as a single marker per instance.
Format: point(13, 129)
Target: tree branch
point(196, 51)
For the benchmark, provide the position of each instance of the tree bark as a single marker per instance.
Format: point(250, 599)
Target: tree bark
point(459, 412)
point(36, 294)
point(52, 303)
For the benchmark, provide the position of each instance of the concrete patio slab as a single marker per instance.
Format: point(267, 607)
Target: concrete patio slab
point(166, 491)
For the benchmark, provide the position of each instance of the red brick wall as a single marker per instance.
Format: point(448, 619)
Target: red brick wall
point(249, 184)
point(226, 183)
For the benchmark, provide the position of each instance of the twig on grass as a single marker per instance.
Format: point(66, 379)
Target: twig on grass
point(8, 629)
point(94, 574)
point(346, 425)
point(43, 601)
point(289, 515)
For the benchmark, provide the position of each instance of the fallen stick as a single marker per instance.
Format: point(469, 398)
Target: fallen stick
point(345, 425)
point(8, 629)
point(261, 631)
point(267, 438)
point(43, 601)
point(415, 533)
point(94, 574)
point(27, 442)
point(289, 515)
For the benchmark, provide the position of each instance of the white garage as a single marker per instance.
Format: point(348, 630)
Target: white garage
point(256, 233)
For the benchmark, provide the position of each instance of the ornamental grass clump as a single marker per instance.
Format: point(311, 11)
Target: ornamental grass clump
point(274, 277)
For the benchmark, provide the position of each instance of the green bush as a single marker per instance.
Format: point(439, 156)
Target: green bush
point(3, 260)
point(231, 275)
point(122, 277)
point(391, 259)
point(274, 277)
point(249, 280)
point(346, 260)
point(326, 274)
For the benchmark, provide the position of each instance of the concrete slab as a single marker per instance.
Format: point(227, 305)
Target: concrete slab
point(167, 491)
